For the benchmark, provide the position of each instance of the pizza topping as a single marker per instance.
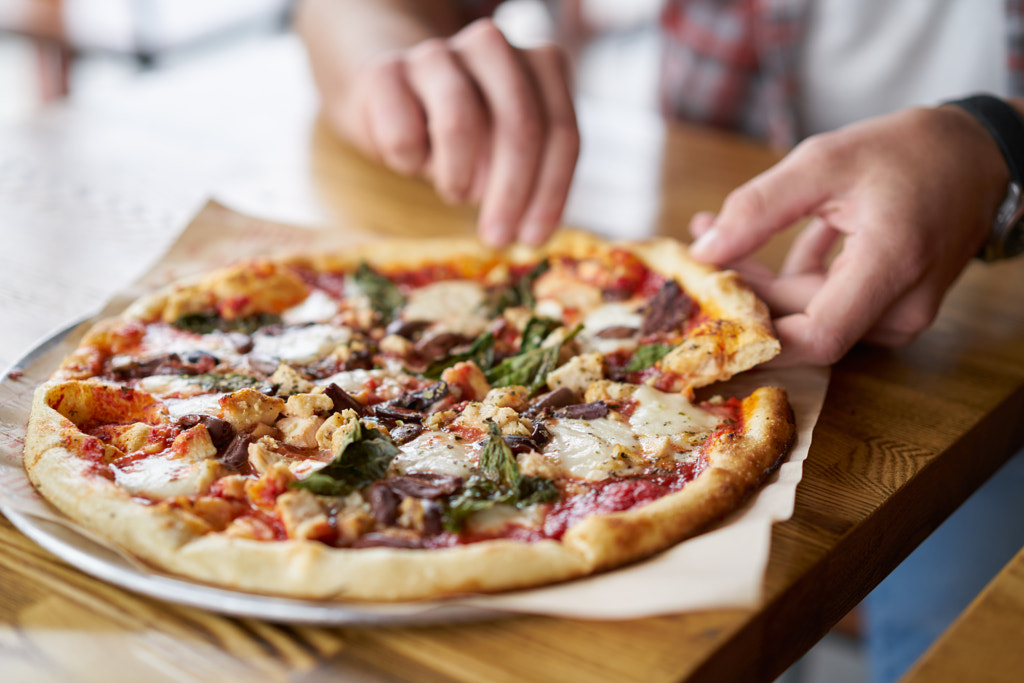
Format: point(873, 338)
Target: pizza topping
point(498, 480)
point(301, 344)
point(193, 363)
point(246, 408)
point(646, 356)
point(617, 332)
point(434, 452)
point(556, 398)
point(286, 381)
point(454, 306)
point(430, 486)
point(361, 458)
point(303, 516)
point(583, 411)
point(481, 352)
point(662, 414)
point(220, 431)
point(466, 380)
point(341, 400)
point(384, 296)
point(211, 321)
point(579, 373)
point(405, 433)
point(668, 310)
point(318, 307)
point(236, 455)
point(516, 292)
point(591, 449)
point(392, 411)
point(533, 365)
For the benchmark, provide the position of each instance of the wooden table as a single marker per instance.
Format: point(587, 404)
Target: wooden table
point(905, 436)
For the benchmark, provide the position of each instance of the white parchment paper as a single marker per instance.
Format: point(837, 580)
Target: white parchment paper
point(721, 568)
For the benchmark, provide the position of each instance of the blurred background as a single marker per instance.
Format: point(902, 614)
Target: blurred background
point(81, 49)
point(56, 52)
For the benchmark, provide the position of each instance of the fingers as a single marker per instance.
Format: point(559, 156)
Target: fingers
point(560, 148)
point(861, 284)
point(485, 121)
point(456, 119)
point(529, 167)
point(795, 187)
point(393, 121)
point(810, 250)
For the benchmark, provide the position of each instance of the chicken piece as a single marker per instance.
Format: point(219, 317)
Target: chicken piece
point(579, 373)
point(306, 405)
point(336, 430)
point(300, 431)
point(246, 408)
point(466, 380)
point(289, 382)
point(515, 397)
point(302, 515)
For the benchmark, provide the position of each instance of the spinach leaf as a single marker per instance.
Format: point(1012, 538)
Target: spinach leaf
point(646, 356)
point(497, 462)
point(481, 352)
point(518, 293)
point(205, 323)
point(499, 481)
point(530, 368)
point(384, 295)
point(524, 285)
point(535, 332)
point(363, 459)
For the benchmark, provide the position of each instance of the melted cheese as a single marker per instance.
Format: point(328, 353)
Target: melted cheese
point(205, 404)
point(166, 477)
point(613, 314)
point(589, 449)
point(179, 386)
point(301, 344)
point(456, 305)
point(434, 452)
point(662, 414)
point(549, 308)
point(387, 383)
point(318, 307)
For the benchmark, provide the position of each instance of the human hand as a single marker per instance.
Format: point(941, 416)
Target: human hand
point(486, 122)
point(911, 196)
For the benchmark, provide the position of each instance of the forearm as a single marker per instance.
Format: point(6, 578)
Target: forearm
point(342, 35)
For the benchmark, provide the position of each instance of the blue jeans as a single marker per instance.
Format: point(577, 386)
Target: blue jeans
point(922, 597)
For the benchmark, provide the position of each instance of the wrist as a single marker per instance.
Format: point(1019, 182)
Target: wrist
point(1004, 128)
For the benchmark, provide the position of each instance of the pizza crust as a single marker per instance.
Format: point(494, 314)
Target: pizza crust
point(179, 543)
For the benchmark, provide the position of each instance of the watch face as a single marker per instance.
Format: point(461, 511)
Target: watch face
point(1007, 237)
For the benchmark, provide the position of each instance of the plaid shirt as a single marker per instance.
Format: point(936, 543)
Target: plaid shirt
point(733, 63)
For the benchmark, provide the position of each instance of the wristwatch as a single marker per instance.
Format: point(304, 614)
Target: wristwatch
point(1005, 125)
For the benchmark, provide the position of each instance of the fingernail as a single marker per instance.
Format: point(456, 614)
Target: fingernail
point(704, 245)
point(535, 233)
point(496, 234)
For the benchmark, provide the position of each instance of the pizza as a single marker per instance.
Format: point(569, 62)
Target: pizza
point(415, 419)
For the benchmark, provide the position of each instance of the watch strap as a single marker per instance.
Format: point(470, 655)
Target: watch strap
point(1004, 124)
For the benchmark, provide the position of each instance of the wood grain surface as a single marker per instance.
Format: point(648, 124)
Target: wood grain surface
point(91, 193)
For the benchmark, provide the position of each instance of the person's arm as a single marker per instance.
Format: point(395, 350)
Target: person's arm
point(486, 122)
point(911, 197)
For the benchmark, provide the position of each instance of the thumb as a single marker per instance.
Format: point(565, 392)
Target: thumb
point(767, 204)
